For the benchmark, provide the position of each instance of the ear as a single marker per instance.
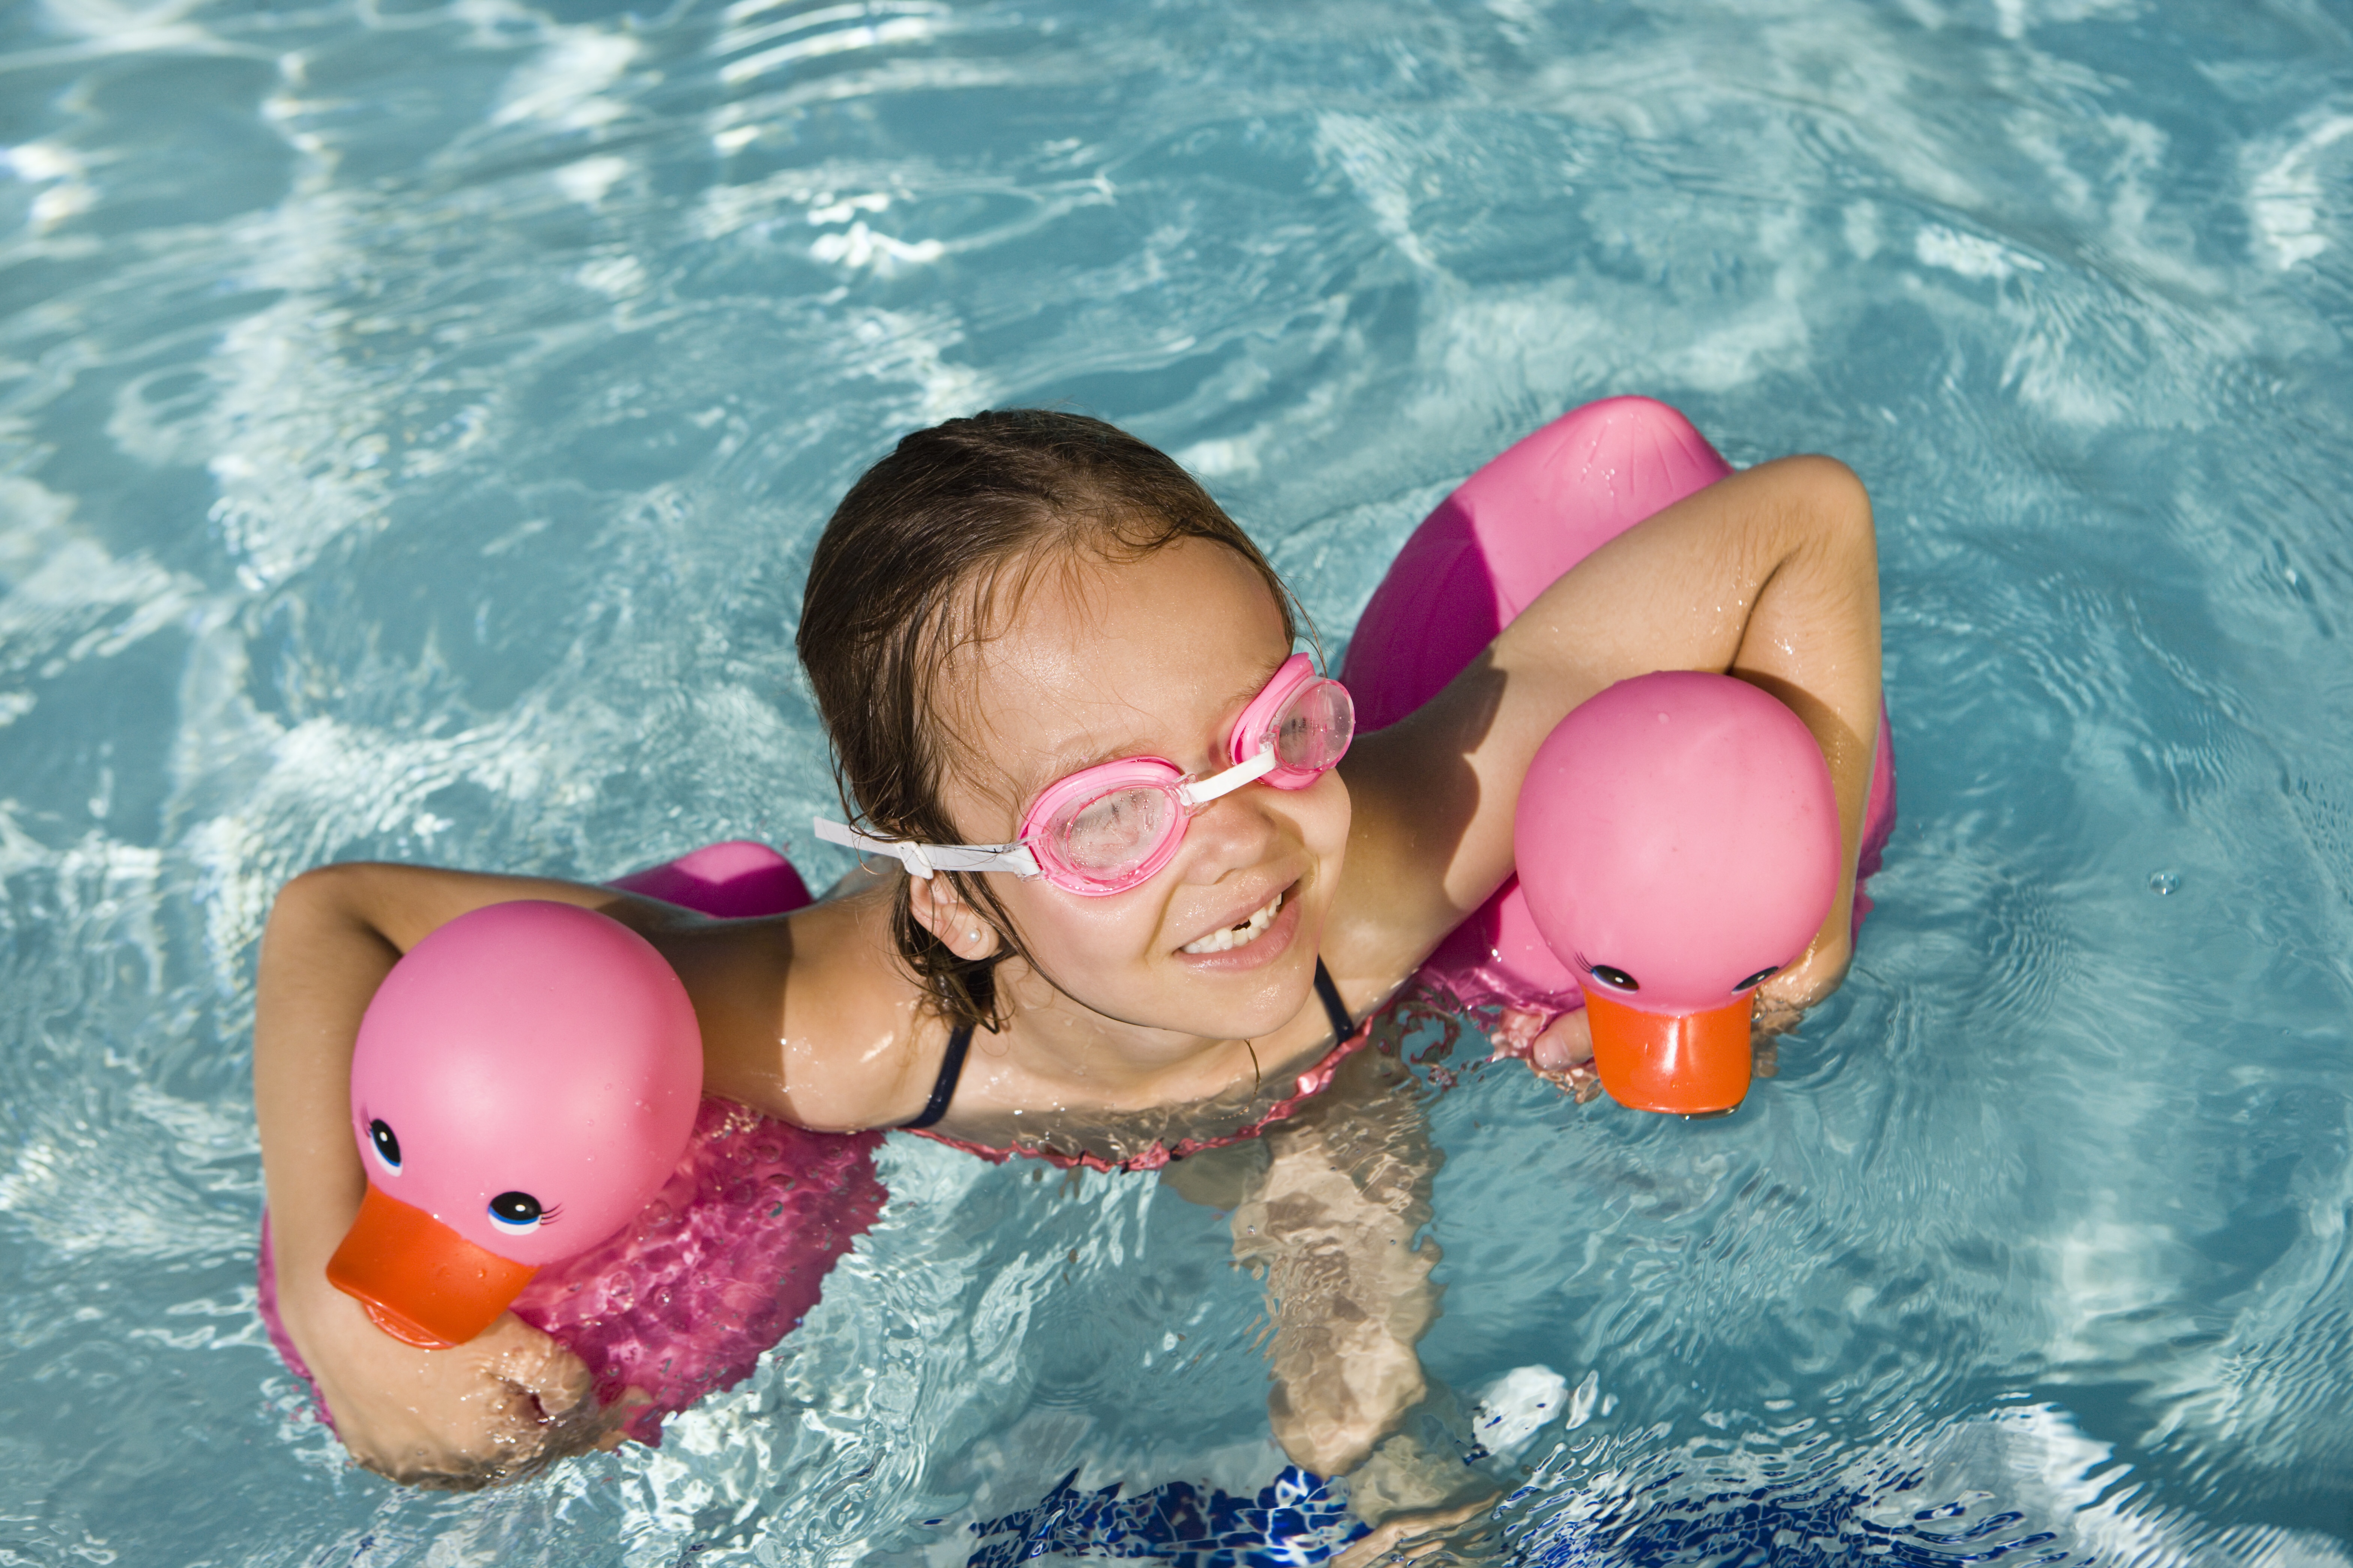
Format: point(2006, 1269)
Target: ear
point(940, 909)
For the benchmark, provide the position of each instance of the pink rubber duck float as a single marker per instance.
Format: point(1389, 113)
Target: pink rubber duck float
point(524, 1083)
point(1650, 892)
point(526, 1096)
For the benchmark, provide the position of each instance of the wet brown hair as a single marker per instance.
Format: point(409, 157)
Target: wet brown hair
point(930, 547)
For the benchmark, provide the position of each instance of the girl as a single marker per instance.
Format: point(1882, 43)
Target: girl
point(1103, 931)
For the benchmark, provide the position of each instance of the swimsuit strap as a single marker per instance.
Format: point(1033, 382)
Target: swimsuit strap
point(943, 1088)
point(1335, 1009)
point(984, 991)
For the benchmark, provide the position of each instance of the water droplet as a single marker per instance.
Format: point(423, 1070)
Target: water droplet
point(2164, 884)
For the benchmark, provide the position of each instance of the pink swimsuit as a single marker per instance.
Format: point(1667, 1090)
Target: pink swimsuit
point(1350, 1036)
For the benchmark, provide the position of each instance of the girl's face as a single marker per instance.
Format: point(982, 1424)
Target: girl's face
point(1156, 657)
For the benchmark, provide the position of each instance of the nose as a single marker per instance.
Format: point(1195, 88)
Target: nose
point(1232, 832)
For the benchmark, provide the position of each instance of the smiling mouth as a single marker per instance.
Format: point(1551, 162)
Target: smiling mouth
point(1242, 935)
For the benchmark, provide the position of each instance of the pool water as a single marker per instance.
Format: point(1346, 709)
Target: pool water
point(415, 419)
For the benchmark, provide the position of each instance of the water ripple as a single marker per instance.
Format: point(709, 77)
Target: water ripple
point(414, 419)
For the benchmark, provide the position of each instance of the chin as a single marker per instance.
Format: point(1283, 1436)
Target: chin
point(1257, 1002)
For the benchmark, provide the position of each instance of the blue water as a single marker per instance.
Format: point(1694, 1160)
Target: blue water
point(414, 422)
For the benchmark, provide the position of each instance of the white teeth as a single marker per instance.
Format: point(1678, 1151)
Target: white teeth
point(1242, 935)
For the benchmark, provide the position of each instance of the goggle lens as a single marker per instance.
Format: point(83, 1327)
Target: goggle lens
point(1308, 721)
point(1106, 835)
point(1312, 731)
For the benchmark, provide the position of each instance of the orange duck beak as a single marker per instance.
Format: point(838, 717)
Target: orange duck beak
point(1685, 1064)
point(421, 1282)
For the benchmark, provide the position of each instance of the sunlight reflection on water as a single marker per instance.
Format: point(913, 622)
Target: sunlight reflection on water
point(416, 420)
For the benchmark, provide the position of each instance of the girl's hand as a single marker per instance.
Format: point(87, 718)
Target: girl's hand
point(1462, 1534)
point(1421, 1503)
point(507, 1403)
point(1558, 1050)
point(1563, 1056)
point(1782, 1001)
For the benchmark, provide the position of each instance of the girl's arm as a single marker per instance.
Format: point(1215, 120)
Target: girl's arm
point(1771, 574)
point(1330, 1226)
point(1330, 1222)
point(512, 1397)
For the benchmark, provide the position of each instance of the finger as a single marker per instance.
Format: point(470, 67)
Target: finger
point(491, 1431)
point(1566, 1042)
point(1411, 1536)
point(535, 1364)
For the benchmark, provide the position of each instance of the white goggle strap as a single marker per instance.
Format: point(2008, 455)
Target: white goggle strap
point(1201, 792)
point(923, 859)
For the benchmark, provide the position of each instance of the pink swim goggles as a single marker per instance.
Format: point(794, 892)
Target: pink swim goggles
point(1106, 828)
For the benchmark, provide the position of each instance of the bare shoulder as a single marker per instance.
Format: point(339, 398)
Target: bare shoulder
point(809, 1017)
point(1410, 804)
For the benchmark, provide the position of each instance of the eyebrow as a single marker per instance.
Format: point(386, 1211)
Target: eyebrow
point(1062, 763)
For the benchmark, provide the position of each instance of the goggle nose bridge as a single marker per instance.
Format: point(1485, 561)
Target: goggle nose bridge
point(1193, 795)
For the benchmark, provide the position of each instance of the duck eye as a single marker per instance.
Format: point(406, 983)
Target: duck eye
point(1615, 978)
point(387, 1147)
point(516, 1213)
point(1759, 978)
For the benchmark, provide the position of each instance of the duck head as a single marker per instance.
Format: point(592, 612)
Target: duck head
point(1677, 838)
point(525, 1079)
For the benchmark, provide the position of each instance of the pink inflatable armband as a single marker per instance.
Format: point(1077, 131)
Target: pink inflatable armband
point(679, 1238)
point(732, 880)
point(1481, 558)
